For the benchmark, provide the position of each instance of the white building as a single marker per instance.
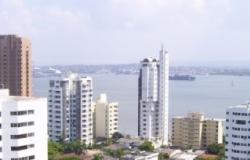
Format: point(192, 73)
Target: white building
point(238, 132)
point(23, 132)
point(153, 98)
point(142, 156)
point(70, 111)
point(106, 117)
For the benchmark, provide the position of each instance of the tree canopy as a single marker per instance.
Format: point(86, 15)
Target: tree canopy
point(215, 148)
point(147, 146)
point(116, 136)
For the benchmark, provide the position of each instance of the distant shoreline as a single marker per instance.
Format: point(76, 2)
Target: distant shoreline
point(133, 69)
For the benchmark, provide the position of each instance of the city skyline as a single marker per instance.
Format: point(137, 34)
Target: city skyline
point(208, 45)
point(119, 31)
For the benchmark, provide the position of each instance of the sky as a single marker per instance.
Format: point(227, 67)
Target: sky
point(126, 31)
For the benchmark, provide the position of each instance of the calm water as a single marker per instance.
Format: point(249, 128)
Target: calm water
point(207, 94)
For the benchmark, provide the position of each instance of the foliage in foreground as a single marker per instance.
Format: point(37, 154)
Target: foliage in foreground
point(98, 157)
point(56, 149)
point(217, 149)
point(163, 156)
point(119, 153)
point(147, 146)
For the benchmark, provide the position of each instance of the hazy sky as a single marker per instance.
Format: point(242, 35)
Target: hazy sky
point(126, 31)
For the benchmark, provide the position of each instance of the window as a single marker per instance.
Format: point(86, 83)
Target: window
point(30, 111)
point(24, 158)
point(241, 122)
point(19, 113)
point(15, 113)
point(24, 147)
point(23, 124)
point(20, 136)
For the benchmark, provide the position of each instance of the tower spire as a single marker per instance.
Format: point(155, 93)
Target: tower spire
point(162, 49)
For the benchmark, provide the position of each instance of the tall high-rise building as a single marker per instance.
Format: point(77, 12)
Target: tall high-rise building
point(70, 111)
point(23, 131)
point(237, 133)
point(15, 65)
point(195, 131)
point(153, 98)
point(106, 117)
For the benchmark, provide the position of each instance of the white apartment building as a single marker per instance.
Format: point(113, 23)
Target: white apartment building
point(70, 109)
point(106, 117)
point(195, 131)
point(153, 98)
point(23, 127)
point(238, 132)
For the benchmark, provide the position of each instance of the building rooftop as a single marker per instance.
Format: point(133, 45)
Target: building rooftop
point(137, 154)
point(195, 114)
point(184, 156)
point(149, 60)
point(214, 119)
point(241, 106)
point(71, 76)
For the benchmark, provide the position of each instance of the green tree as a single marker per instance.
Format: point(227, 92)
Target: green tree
point(116, 136)
point(54, 150)
point(221, 154)
point(163, 156)
point(98, 157)
point(78, 146)
point(147, 146)
point(74, 146)
point(119, 153)
point(215, 148)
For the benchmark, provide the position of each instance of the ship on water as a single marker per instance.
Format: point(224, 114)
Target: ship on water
point(182, 77)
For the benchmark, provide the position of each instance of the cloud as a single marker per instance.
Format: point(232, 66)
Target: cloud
point(121, 31)
point(19, 17)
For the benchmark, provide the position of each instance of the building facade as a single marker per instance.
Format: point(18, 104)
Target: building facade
point(23, 132)
point(212, 131)
point(106, 117)
point(70, 109)
point(153, 98)
point(194, 131)
point(237, 133)
point(15, 65)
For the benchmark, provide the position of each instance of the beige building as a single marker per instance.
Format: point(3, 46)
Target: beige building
point(106, 117)
point(15, 65)
point(212, 131)
point(194, 131)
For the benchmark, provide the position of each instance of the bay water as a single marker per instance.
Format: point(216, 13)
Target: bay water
point(208, 94)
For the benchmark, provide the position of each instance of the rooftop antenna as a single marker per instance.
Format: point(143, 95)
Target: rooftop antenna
point(162, 48)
